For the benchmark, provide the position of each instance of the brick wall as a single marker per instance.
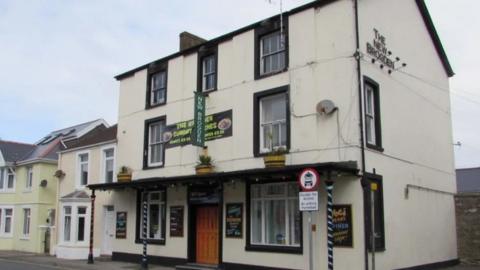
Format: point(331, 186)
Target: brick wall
point(468, 227)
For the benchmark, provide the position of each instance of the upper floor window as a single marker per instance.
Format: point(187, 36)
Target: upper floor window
point(157, 85)
point(82, 169)
point(7, 179)
point(271, 48)
point(372, 114)
point(272, 53)
point(28, 184)
point(154, 144)
point(108, 164)
point(272, 122)
point(207, 69)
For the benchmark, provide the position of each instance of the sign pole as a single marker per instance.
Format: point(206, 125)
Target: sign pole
point(330, 223)
point(310, 241)
point(373, 188)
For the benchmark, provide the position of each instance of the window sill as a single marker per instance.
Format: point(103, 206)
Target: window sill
point(263, 154)
point(275, 249)
point(375, 147)
point(6, 236)
point(27, 191)
point(24, 238)
point(151, 167)
point(151, 241)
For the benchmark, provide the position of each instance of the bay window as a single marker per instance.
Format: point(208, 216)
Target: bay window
point(75, 223)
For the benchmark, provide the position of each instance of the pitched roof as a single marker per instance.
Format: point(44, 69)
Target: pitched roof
point(97, 135)
point(15, 151)
point(468, 180)
point(315, 4)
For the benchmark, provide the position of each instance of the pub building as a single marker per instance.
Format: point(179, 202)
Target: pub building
point(214, 138)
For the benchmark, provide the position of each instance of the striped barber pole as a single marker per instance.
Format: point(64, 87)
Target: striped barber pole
point(330, 224)
point(144, 232)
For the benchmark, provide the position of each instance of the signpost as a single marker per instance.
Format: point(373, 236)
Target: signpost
point(308, 201)
point(199, 120)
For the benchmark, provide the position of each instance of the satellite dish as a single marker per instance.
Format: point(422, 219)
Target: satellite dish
point(43, 183)
point(326, 106)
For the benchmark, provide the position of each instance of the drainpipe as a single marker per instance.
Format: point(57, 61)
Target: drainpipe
point(362, 134)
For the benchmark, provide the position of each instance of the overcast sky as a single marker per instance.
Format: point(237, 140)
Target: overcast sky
point(58, 58)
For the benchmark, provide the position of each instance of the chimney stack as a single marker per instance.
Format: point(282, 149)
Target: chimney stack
point(188, 40)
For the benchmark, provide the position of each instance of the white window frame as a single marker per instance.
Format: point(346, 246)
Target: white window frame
point(263, 147)
point(370, 115)
point(205, 74)
point(161, 203)
point(282, 49)
point(150, 144)
point(78, 177)
point(74, 224)
point(25, 219)
point(29, 179)
point(159, 89)
point(103, 166)
point(264, 198)
point(3, 220)
point(10, 171)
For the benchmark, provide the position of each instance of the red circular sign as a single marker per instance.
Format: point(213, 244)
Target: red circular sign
point(309, 179)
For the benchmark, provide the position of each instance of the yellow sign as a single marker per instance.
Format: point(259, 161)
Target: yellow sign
point(373, 186)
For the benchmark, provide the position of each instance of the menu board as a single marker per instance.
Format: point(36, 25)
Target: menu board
point(216, 126)
point(176, 221)
point(342, 225)
point(233, 220)
point(121, 225)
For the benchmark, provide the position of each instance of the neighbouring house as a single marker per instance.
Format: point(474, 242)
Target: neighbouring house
point(350, 96)
point(87, 160)
point(467, 203)
point(29, 189)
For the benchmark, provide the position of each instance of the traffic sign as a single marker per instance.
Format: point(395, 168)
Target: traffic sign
point(308, 201)
point(308, 179)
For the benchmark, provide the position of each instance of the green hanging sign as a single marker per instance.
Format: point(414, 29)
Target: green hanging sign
point(198, 136)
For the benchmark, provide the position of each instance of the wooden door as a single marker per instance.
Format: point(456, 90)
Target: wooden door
point(207, 235)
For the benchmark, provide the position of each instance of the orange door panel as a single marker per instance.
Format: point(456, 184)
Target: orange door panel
point(207, 235)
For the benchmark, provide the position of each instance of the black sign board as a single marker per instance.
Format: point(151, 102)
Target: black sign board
point(121, 225)
point(216, 126)
point(342, 225)
point(203, 195)
point(176, 221)
point(233, 220)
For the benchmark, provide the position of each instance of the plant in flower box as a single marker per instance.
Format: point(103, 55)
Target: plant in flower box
point(124, 175)
point(275, 158)
point(204, 164)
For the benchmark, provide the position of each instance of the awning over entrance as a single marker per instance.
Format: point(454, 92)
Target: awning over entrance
point(347, 167)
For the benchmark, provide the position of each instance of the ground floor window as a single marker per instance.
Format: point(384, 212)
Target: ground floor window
point(6, 220)
point(375, 191)
point(26, 222)
point(275, 219)
point(75, 220)
point(156, 216)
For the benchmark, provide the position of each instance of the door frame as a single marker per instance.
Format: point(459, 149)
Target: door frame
point(192, 220)
point(105, 210)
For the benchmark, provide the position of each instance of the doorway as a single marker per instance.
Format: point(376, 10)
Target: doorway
point(108, 229)
point(207, 234)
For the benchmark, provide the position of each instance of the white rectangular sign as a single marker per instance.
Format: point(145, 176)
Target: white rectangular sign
point(308, 201)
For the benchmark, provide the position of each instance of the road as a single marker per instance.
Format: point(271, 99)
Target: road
point(11, 265)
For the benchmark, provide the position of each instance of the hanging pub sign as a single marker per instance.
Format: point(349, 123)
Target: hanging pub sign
point(233, 220)
point(176, 221)
point(378, 49)
point(216, 126)
point(121, 225)
point(342, 225)
point(198, 134)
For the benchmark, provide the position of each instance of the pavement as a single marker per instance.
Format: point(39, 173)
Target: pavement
point(15, 260)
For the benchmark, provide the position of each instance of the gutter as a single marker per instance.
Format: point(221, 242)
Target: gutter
point(363, 181)
point(37, 160)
